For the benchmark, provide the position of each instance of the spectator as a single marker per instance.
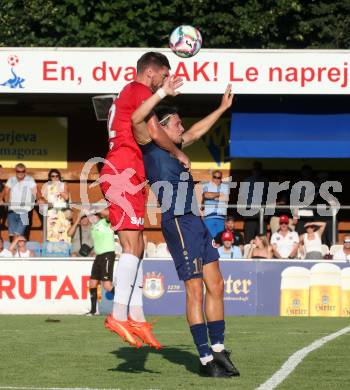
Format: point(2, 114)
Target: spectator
point(282, 200)
point(4, 252)
point(55, 191)
point(252, 223)
point(230, 227)
point(80, 232)
point(260, 248)
point(20, 192)
point(311, 240)
point(344, 253)
point(285, 242)
point(228, 250)
point(215, 193)
point(19, 248)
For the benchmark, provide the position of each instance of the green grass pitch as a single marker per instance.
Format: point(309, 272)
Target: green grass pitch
point(77, 352)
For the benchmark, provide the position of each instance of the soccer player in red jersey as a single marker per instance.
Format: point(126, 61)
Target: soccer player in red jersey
point(123, 183)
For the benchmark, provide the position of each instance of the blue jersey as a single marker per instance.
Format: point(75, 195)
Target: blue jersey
point(171, 182)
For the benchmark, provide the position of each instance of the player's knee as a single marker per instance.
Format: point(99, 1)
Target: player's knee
point(194, 291)
point(216, 287)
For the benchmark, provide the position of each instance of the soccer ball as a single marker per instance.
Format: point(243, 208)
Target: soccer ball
point(13, 60)
point(185, 41)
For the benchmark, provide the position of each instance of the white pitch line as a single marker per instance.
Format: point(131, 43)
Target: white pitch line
point(297, 357)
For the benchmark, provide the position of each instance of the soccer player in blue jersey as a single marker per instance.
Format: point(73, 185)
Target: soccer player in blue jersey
point(187, 237)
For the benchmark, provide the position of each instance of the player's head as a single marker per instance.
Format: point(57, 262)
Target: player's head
point(170, 121)
point(154, 67)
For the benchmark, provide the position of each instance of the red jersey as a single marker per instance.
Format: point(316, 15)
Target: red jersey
point(121, 138)
point(127, 210)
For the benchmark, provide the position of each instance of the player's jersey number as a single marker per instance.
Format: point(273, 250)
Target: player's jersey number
point(111, 133)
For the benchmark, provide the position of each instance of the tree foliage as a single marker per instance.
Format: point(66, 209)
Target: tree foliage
point(223, 23)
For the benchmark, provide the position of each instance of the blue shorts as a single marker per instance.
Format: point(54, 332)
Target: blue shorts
point(190, 245)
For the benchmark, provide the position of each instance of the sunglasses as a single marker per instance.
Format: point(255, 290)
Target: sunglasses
point(17, 171)
point(54, 175)
point(217, 177)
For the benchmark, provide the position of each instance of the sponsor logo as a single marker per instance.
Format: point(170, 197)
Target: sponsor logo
point(237, 289)
point(137, 221)
point(153, 285)
point(296, 303)
point(47, 287)
point(14, 81)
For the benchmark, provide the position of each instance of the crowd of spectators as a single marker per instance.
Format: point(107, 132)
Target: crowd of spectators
point(293, 234)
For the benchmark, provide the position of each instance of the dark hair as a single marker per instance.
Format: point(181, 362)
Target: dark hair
point(51, 171)
point(162, 111)
point(216, 171)
point(151, 58)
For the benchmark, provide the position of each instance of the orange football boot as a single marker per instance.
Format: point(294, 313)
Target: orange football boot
point(123, 329)
point(143, 330)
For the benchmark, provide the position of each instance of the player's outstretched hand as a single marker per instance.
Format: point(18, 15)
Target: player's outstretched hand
point(172, 84)
point(226, 101)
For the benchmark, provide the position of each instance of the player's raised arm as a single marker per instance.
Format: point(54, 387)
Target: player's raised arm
point(151, 130)
point(197, 130)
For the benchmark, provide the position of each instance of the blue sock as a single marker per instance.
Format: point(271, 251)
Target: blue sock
point(216, 332)
point(200, 338)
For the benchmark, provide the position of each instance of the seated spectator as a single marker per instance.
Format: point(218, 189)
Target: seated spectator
point(19, 248)
point(311, 240)
point(228, 250)
point(260, 248)
point(344, 253)
point(230, 227)
point(80, 232)
point(20, 192)
point(4, 252)
point(215, 193)
point(282, 200)
point(285, 242)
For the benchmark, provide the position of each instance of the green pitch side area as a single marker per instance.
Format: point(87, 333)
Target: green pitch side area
point(77, 352)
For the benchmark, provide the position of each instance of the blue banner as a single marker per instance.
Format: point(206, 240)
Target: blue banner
point(286, 135)
point(251, 287)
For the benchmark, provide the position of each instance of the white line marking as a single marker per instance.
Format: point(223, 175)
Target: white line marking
point(297, 357)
